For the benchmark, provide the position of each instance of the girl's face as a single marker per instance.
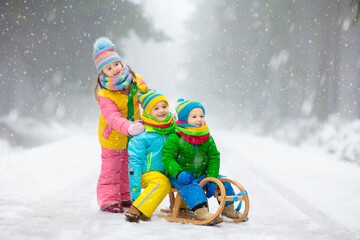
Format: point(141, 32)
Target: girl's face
point(113, 70)
point(160, 111)
point(197, 117)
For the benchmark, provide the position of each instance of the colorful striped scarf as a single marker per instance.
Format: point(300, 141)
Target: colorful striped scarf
point(192, 134)
point(116, 84)
point(166, 126)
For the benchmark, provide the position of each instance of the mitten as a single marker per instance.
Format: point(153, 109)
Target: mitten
point(210, 189)
point(135, 128)
point(185, 177)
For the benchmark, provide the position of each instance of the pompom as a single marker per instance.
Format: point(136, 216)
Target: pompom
point(180, 100)
point(101, 43)
point(143, 88)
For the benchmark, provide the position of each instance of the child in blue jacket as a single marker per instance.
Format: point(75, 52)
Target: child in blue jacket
point(146, 169)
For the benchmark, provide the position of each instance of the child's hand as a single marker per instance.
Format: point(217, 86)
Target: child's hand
point(210, 189)
point(135, 128)
point(185, 177)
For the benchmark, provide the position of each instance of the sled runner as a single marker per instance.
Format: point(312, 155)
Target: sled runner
point(186, 216)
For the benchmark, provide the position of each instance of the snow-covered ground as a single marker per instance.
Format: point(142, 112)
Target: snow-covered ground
point(48, 192)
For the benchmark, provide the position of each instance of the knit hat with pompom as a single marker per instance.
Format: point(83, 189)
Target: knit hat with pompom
point(104, 53)
point(149, 99)
point(183, 108)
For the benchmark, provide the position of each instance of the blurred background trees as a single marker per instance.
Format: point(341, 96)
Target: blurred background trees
point(276, 60)
point(261, 62)
point(46, 66)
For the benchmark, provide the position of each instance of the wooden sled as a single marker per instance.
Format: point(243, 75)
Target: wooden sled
point(187, 216)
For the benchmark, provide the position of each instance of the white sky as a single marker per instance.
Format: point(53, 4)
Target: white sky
point(160, 63)
point(168, 15)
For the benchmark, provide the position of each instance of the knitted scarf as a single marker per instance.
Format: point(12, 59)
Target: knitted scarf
point(192, 134)
point(117, 84)
point(166, 126)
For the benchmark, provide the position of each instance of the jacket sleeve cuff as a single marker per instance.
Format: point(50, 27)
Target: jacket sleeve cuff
point(134, 194)
point(177, 173)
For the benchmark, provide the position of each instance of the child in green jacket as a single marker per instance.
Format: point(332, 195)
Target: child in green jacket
point(190, 155)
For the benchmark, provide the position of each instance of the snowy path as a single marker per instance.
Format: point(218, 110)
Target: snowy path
point(48, 192)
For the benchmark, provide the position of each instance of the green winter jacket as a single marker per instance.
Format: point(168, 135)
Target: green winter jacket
point(179, 155)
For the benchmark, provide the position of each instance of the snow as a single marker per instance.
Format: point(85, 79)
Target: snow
point(277, 61)
point(336, 136)
point(49, 192)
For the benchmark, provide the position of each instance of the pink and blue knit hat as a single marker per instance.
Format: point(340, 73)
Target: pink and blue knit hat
point(104, 53)
point(183, 108)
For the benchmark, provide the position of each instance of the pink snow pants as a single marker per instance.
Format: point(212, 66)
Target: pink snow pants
point(113, 183)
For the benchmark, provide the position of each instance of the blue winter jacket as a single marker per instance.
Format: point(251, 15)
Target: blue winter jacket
point(144, 156)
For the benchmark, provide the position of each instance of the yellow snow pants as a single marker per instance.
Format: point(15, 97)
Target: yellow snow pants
point(157, 186)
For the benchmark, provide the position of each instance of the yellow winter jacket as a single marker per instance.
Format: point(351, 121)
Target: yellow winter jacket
point(117, 140)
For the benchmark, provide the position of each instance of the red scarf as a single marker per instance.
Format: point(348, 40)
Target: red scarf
point(194, 139)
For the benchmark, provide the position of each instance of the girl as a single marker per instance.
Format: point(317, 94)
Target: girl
point(189, 156)
point(116, 93)
point(145, 165)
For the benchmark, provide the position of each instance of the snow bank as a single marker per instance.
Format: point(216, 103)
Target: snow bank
point(20, 133)
point(336, 136)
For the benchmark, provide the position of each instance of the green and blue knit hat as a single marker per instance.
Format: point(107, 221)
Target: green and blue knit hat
point(183, 108)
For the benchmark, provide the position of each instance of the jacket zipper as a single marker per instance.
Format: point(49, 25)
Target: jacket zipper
point(166, 172)
point(195, 159)
point(149, 161)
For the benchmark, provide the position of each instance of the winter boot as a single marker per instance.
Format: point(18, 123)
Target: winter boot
point(144, 218)
point(203, 214)
point(230, 212)
point(126, 203)
point(114, 208)
point(133, 214)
